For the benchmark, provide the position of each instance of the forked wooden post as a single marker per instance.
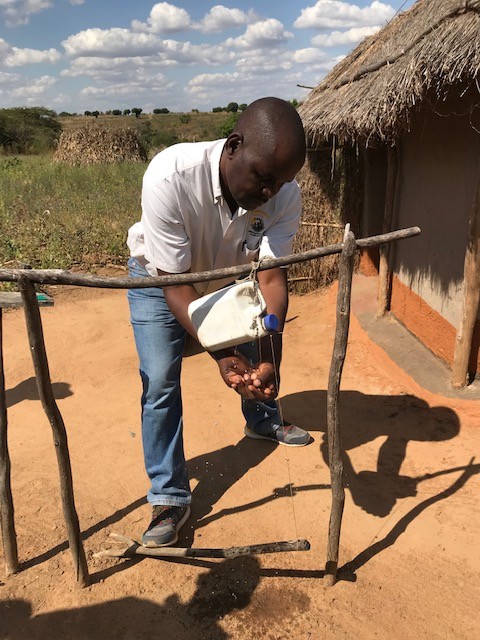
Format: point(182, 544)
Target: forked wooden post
point(345, 273)
point(7, 524)
point(44, 386)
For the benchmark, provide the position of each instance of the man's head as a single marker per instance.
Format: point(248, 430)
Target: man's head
point(265, 150)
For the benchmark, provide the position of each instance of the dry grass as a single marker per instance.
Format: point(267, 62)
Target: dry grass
point(331, 195)
point(433, 48)
point(95, 144)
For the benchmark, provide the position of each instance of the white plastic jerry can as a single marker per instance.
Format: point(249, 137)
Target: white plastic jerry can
point(231, 316)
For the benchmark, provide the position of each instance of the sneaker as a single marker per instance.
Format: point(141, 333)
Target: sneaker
point(165, 525)
point(288, 434)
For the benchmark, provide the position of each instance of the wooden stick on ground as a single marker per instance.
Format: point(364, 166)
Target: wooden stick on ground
point(44, 386)
point(346, 264)
point(127, 548)
point(7, 523)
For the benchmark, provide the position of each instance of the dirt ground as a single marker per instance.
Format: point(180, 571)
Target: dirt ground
point(410, 549)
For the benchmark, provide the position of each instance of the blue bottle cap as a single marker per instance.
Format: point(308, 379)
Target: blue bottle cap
point(270, 322)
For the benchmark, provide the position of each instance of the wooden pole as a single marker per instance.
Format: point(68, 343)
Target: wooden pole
point(7, 522)
point(345, 273)
point(471, 296)
point(384, 274)
point(44, 386)
point(58, 276)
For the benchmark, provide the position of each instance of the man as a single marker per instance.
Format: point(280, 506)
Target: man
point(204, 206)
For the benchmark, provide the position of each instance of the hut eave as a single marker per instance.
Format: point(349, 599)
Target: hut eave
point(428, 51)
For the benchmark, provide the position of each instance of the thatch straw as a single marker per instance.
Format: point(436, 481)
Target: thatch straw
point(97, 145)
point(331, 196)
point(431, 49)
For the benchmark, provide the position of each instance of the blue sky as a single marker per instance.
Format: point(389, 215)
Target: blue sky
point(74, 55)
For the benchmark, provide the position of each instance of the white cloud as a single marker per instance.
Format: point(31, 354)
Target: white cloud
point(309, 55)
point(74, 2)
point(221, 88)
point(111, 43)
point(219, 81)
point(34, 89)
point(18, 12)
point(256, 62)
point(15, 57)
point(121, 43)
point(124, 89)
point(187, 53)
point(22, 57)
point(220, 18)
point(266, 33)
point(164, 18)
point(340, 38)
point(7, 79)
point(331, 14)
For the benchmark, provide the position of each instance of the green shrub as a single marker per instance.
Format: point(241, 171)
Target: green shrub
point(26, 130)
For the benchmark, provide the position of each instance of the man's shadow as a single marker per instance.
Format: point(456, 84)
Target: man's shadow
point(27, 390)
point(216, 472)
point(362, 419)
point(226, 587)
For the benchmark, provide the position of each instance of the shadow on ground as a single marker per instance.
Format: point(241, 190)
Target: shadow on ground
point(227, 586)
point(362, 419)
point(27, 390)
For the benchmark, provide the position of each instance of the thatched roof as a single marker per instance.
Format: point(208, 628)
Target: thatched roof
point(372, 93)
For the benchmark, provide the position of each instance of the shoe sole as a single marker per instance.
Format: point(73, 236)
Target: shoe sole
point(257, 436)
point(151, 544)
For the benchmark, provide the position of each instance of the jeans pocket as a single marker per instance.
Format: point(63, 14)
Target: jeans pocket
point(136, 270)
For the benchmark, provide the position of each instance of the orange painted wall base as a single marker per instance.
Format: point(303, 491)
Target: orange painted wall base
point(429, 326)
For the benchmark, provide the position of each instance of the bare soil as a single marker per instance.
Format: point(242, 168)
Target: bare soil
point(410, 550)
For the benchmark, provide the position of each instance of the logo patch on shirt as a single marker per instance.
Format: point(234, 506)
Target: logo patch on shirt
point(257, 225)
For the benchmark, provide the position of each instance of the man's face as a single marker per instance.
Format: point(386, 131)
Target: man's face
point(253, 176)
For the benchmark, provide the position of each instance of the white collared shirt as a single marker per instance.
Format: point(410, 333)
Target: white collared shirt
point(187, 224)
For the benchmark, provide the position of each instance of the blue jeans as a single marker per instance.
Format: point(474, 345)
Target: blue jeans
point(160, 339)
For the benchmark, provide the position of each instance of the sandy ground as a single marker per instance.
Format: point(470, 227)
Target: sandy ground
point(410, 549)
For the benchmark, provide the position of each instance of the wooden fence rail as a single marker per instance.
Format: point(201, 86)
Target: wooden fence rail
point(26, 278)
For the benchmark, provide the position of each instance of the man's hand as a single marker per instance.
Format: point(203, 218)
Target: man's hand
point(264, 381)
point(251, 383)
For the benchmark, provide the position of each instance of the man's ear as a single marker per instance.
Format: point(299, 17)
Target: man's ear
point(233, 143)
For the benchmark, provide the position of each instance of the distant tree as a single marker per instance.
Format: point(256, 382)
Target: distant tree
point(116, 112)
point(126, 112)
point(65, 114)
point(95, 113)
point(194, 110)
point(242, 107)
point(232, 107)
point(163, 110)
point(28, 129)
point(217, 109)
point(137, 111)
point(229, 124)
point(294, 103)
point(108, 113)
point(87, 113)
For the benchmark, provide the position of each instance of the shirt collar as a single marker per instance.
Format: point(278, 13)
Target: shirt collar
point(215, 170)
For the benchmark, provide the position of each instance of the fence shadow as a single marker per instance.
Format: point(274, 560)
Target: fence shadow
point(377, 547)
point(363, 418)
point(226, 587)
point(27, 390)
